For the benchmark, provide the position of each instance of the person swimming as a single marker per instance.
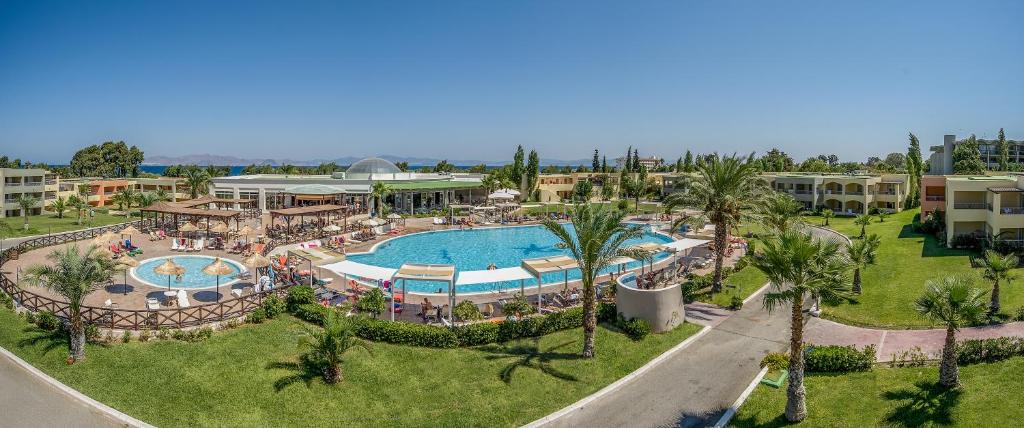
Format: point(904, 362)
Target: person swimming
point(492, 266)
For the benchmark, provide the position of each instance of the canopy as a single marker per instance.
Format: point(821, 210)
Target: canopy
point(426, 272)
point(394, 216)
point(685, 244)
point(332, 228)
point(501, 195)
point(348, 267)
point(542, 265)
point(310, 210)
point(494, 275)
point(512, 192)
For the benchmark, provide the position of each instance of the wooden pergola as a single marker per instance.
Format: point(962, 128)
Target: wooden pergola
point(161, 210)
point(317, 211)
point(248, 205)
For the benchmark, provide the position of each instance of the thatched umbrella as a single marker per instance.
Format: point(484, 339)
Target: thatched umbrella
point(125, 264)
point(245, 230)
point(220, 228)
point(218, 268)
point(188, 227)
point(330, 228)
point(256, 261)
point(170, 269)
point(130, 230)
point(105, 238)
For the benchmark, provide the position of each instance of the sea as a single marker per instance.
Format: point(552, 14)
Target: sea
point(237, 170)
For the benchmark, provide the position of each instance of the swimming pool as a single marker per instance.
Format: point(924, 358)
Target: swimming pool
point(192, 279)
point(475, 249)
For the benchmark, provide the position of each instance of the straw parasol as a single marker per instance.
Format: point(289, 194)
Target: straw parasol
point(220, 228)
point(256, 260)
point(245, 230)
point(130, 230)
point(218, 268)
point(188, 227)
point(370, 222)
point(331, 228)
point(170, 269)
point(394, 216)
point(125, 264)
point(105, 237)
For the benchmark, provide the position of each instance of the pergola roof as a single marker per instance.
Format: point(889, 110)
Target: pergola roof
point(685, 244)
point(493, 275)
point(348, 267)
point(211, 200)
point(315, 189)
point(307, 210)
point(426, 272)
point(433, 185)
point(172, 208)
point(542, 265)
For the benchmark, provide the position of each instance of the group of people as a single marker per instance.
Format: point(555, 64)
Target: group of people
point(428, 310)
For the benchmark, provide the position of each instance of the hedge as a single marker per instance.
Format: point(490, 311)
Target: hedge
point(989, 350)
point(838, 359)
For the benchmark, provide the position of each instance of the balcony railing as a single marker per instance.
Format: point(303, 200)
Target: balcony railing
point(969, 205)
point(12, 183)
point(801, 192)
point(1011, 210)
point(855, 193)
point(935, 198)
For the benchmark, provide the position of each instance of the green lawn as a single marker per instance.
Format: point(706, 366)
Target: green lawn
point(225, 381)
point(905, 261)
point(49, 223)
point(898, 397)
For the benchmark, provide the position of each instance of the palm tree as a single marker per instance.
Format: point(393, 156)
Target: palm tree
point(827, 214)
point(26, 202)
point(861, 254)
point(799, 266)
point(379, 191)
point(882, 215)
point(73, 275)
point(79, 204)
point(326, 347)
point(124, 199)
point(58, 206)
point(862, 220)
point(725, 189)
point(951, 301)
point(146, 199)
point(160, 194)
point(998, 268)
point(198, 182)
point(600, 238)
point(779, 212)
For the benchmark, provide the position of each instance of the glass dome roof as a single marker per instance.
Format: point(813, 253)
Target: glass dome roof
point(373, 166)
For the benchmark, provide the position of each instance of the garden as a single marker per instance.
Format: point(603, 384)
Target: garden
point(50, 223)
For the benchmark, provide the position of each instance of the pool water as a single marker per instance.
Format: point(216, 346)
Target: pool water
point(193, 278)
point(475, 249)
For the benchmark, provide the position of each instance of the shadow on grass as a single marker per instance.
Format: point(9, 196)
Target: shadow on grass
point(930, 246)
point(529, 355)
point(778, 421)
point(926, 404)
point(46, 340)
point(302, 371)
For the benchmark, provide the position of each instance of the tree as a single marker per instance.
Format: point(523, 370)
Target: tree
point(998, 268)
point(1004, 151)
point(779, 212)
point(627, 166)
point(882, 215)
point(915, 169)
point(402, 166)
point(198, 182)
point(59, 206)
point(896, 161)
point(373, 303)
point(798, 266)
point(953, 302)
point(688, 162)
point(826, 214)
point(532, 173)
point(79, 204)
point(640, 185)
point(518, 166)
point(726, 190)
point(604, 164)
point(109, 159)
point(124, 198)
point(967, 158)
point(326, 347)
point(862, 253)
point(583, 191)
point(607, 190)
point(74, 276)
point(814, 165)
point(776, 161)
point(600, 238)
point(378, 192)
point(636, 161)
point(596, 162)
point(26, 202)
point(862, 220)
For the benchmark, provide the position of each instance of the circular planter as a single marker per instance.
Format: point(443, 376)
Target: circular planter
point(662, 308)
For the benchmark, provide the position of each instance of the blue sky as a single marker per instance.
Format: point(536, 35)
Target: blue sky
point(471, 79)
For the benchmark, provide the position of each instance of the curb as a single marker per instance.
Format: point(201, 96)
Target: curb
point(617, 384)
point(94, 405)
point(731, 411)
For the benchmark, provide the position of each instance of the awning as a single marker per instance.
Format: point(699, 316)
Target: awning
point(685, 244)
point(494, 275)
point(348, 267)
point(426, 272)
point(542, 265)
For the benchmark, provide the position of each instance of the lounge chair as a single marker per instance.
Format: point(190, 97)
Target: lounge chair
point(174, 245)
point(183, 299)
point(152, 304)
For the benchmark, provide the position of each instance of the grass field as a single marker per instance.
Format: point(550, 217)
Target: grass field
point(907, 397)
point(49, 223)
point(905, 261)
point(229, 380)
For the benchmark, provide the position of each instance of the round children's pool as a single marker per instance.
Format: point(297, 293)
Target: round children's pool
point(192, 279)
point(476, 249)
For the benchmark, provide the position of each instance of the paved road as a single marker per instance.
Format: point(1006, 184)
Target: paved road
point(696, 385)
point(26, 401)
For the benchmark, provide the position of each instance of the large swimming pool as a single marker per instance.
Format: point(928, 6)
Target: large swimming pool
point(192, 279)
point(475, 249)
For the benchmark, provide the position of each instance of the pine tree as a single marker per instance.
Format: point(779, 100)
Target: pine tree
point(636, 162)
point(517, 165)
point(628, 165)
point(604, 164)
point(679, 165)
point(597, 161)
point(688, 162)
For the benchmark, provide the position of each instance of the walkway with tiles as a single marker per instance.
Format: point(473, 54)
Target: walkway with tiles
point(890, 342)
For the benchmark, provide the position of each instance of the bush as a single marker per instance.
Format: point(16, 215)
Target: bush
point(92, 333)
point(181, 335)
point(741, 263)
point(403, 333)
point(1020, 314)
point(636, 328)
point(373, 303)
point(838, 359)
point(257, 316)
point(145, 335)
point(518, 305)
point(126, 337)
point(989, 350)
point(30, 317)
point(48, 321)
point(914, 357)
point(736, 303)
point(273, 306)
point(6, 301)
point(607, 312)
point(299, 295)
point(775, 361)
point(622, 205)
point(163, 333)
point(314, 313)
point(203, 333)
point(478, 333)
point(467, 311)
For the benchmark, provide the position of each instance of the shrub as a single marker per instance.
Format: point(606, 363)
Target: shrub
point(467, 311)
point(636, 328)
point(1020, 314)
point(273, 306)
point(109, 338)
point(403, 333)
point(299, 295)
point(6, 301)
point(838, 359)
point(373, 303)
point(202, 333)
point(92, 333)
point(989, 350)
point(30, 317)
point(914, 357)
point(126, 337)
point(313, 313)
point(231, 323)
point(257, 316)
point(163, 333)
point(775, 361)
point(181, 335)
point(736, 303)
point(622, 205)
point(48, 321)
point(518, 305)
point(478, 333)
point(741, 263)
point(145, 335)
point(607, 312)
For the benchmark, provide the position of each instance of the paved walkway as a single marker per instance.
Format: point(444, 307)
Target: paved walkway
point(889, 342)
point(694, 386)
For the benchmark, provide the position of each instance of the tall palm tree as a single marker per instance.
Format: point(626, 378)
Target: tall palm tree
point(726, 189)
point(160, 195)
point(827, 214)
point(125, 198)
point(600, 238)
point(26, 202)
point(79, 204)
point(73, 275)
point(862, 253)
point(198, 182)
point(59, 206)
point(146, 199)
point(998, 268)
point(862, 220)
point(326, 347)
point(953, 302)
point(379, 191)
point(779, 212)
point(798, 266)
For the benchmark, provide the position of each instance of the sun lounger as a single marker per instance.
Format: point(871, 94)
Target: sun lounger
point(183, 299)
point(152, 304)
point(174, 245)
point(236, 292)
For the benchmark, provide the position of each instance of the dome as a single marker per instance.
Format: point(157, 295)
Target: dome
point(373, 166)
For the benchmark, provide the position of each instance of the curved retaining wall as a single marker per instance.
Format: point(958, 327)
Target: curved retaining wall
point(662, 308)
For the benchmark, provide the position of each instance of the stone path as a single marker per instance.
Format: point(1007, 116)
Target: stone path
point(889, 342)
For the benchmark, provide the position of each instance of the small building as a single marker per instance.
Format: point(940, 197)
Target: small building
point(38, 183)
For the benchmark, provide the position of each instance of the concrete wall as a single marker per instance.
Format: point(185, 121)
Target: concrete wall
point(662, 308)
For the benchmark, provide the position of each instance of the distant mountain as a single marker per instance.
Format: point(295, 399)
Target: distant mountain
point(208, 159)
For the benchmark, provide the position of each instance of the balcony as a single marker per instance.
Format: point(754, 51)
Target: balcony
point(1011, 210)
point(855, 193)
point(12, 183)
point(935, 198)
point(969, 205)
